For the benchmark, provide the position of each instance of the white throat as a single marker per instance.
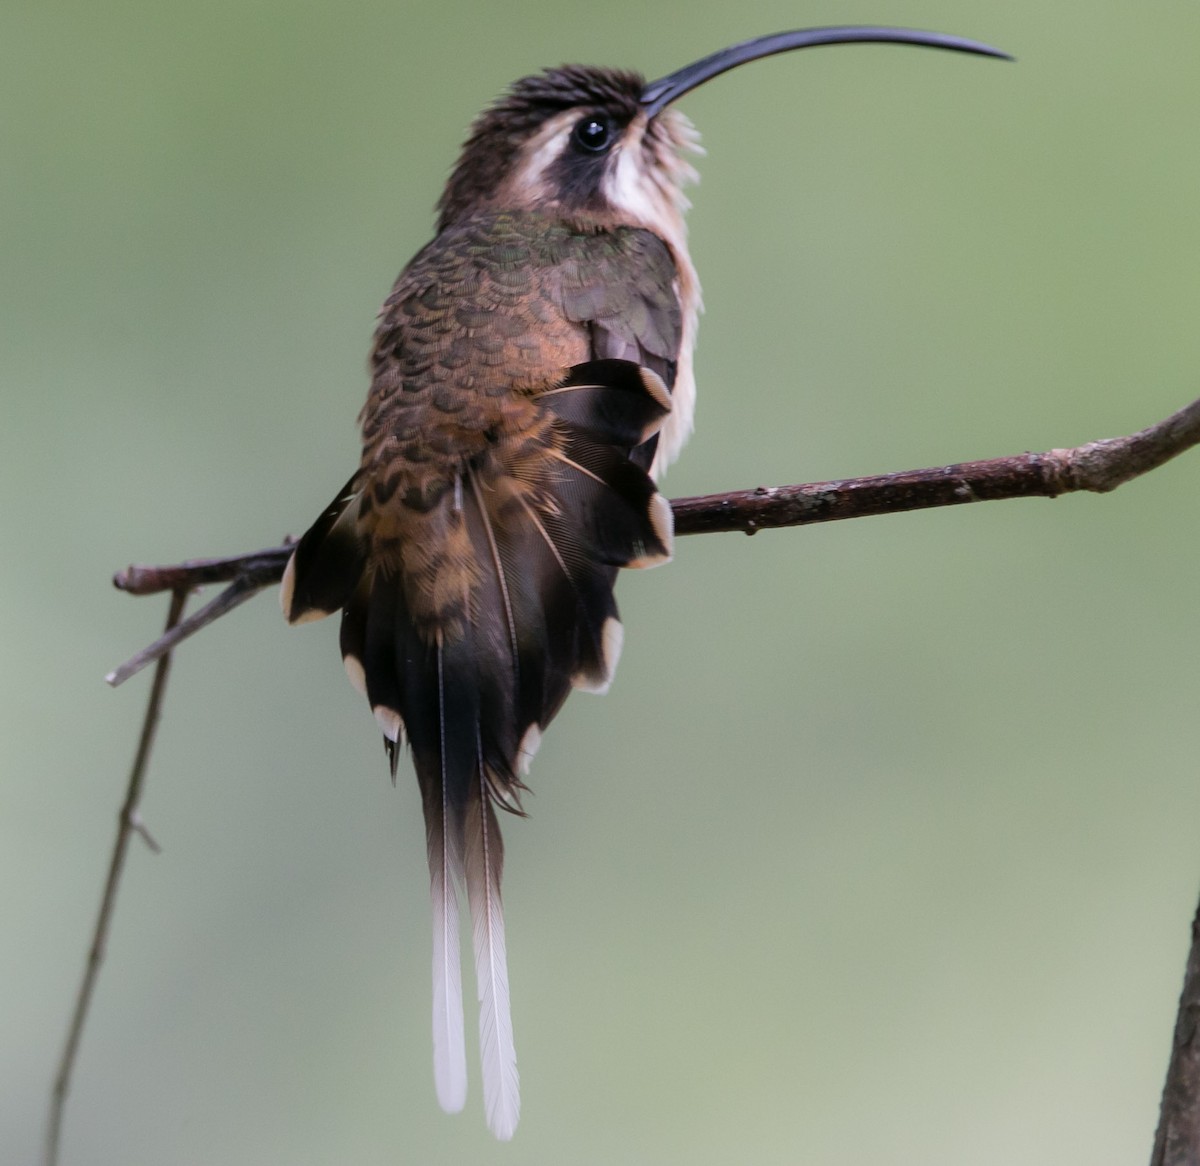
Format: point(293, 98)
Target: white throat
point(646, 184)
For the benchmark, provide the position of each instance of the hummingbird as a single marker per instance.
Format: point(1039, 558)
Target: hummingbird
point(531, 379)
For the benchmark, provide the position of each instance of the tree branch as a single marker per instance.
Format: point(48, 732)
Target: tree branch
point(128, 823)
point(1098, 467)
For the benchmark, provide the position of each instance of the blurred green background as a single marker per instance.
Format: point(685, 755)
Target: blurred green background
point(885, 844)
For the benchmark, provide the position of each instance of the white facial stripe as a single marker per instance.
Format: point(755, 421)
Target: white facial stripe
point(540, 153)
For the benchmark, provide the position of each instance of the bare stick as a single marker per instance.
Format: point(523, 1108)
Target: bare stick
point(1177, 1142)
point(128, 822)
point(263, 567)
point(242, 588)
point(1097, 467)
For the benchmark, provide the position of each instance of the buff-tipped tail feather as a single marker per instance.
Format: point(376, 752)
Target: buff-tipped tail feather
point(466, 648)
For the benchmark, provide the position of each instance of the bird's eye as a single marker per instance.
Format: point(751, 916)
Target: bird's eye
point(593, 133)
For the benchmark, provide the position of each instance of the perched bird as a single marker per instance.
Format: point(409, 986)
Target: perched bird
point(531, 377)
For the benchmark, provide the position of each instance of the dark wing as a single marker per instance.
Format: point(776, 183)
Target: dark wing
point(624, 289)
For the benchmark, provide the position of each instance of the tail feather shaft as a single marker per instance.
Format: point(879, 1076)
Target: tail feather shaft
point(484, 861)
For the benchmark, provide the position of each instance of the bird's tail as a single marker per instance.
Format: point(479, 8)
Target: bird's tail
point(467, 632)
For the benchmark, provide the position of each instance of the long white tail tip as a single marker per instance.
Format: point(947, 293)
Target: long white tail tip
point(504, 1125)
point(451, 1088)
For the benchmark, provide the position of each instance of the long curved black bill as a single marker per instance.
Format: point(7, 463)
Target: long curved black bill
point(659, 94)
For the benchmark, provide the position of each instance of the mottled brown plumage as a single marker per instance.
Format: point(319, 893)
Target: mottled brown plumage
point(496, 309)
point(531, 366)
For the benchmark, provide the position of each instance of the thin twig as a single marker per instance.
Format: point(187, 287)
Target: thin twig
point(1177, 1142)
point(242, 588)
point(144, 833)
point(1097, 467)
point(263, 567)
point(128, 823)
